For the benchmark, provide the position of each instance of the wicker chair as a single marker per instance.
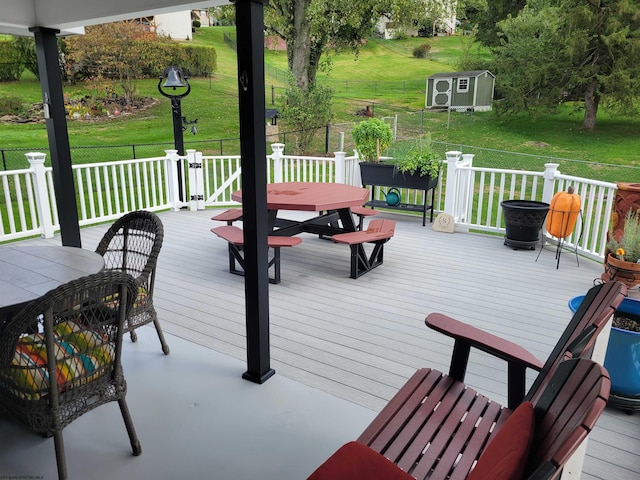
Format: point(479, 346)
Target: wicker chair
point(76, 331)
point(132, 245)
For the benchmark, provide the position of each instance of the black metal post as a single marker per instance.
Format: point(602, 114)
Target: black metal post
point(176, 80)
point(327, 138)
point(250, 38)
point(178, 139)
point(58, 136)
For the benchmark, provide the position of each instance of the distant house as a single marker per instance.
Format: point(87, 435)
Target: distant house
point(462, 91)
point(176, 25)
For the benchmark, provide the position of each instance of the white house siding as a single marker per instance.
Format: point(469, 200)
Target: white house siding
point(446, 24)
point(176, 25)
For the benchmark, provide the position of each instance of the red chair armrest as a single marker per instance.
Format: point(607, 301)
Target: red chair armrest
point(482, 340)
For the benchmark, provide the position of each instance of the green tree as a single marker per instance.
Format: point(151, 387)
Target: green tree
point(306, 111)
point(310, 27)
point(224, 15)
point(603, 44)
point(528, 78)
point(554, 50)
point(496, 10)
point(470, 11)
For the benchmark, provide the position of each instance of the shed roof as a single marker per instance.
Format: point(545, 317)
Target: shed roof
point(467, 73)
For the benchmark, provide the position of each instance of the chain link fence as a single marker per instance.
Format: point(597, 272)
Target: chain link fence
point(337, 137)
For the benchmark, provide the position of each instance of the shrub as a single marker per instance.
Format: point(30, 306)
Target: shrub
point(11, 65)
point(400, 35)
point(422, 51)
point(199, 61)
point(116, 52)
point(306, 111)
point(10, 106)
point(196, 24)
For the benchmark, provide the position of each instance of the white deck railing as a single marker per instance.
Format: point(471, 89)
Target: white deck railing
point(474, 195)
point(107, 190)
point(104, 191)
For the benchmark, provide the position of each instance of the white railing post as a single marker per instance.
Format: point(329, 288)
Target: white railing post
point(43, 205)
point(340, 164)
point(278, 151)
point(200, 181)
point(196, 180)
point(550, 172)
point(172, 179)
point(452, 176)
point(465, 189)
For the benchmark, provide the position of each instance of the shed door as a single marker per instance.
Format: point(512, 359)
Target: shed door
point(442, 92)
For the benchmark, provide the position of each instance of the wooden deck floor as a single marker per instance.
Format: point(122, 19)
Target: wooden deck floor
point(361, 339)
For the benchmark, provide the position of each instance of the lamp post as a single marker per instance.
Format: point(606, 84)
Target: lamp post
point(175, 79)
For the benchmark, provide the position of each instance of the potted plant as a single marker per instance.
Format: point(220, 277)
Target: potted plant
point(624, 252)
point(622, 359)
point(372, 137)
point(420, 160)
point(410, 165)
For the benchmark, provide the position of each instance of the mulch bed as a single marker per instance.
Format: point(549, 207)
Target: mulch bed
point(34, 113)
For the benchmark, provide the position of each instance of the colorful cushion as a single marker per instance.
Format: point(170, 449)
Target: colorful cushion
point(355, 461)
point(80, 356)
point(141, 299)
point(111, 301)
point(506, 455)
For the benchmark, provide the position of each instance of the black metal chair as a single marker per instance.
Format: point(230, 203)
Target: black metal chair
point(132, 245)
point(72, 334)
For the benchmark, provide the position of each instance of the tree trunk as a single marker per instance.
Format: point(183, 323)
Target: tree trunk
point(591, 102)
point(299, 45)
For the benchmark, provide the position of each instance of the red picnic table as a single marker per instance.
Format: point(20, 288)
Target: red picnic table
point(332, 200)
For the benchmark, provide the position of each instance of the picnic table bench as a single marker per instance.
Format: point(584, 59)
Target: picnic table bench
point(231, 215)
point(361, 213)
point(378, 232)
point(235, 238)
point(234, 214)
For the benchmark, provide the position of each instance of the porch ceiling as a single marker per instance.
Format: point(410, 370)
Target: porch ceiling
point(70, 16)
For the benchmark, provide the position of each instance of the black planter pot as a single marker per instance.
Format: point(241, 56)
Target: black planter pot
point(388, 175)
point(523, 220)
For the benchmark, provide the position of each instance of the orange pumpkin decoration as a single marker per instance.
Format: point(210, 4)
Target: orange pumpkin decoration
point(563, 213)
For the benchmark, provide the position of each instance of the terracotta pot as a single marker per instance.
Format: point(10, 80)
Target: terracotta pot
point(625, 272)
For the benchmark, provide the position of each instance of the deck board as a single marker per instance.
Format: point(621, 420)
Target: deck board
point(360, 339)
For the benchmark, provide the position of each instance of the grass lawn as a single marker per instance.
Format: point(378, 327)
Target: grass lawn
point(383, 74)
